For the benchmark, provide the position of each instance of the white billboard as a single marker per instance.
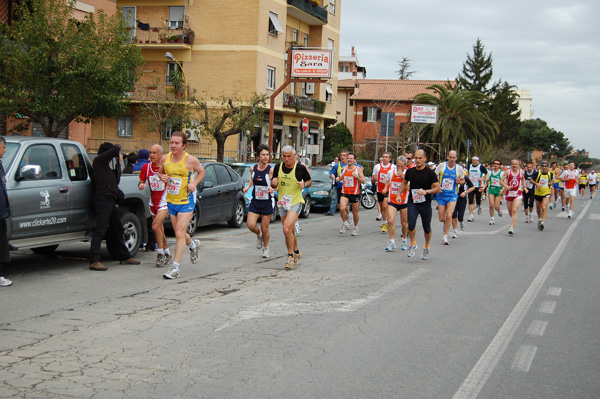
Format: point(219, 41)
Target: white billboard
point(312, 63)
point(423, 114)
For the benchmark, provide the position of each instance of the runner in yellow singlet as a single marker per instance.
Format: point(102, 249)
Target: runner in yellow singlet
point(177, 170)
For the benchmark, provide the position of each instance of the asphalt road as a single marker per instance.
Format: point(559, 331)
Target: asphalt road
point(490, 316)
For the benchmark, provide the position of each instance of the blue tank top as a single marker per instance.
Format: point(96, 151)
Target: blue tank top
point(448, 180)
point(261, 182)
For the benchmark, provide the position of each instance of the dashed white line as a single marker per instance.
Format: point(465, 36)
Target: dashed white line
point(537, 328)
point(524, 358)
point(547, 307)
point(554, 291)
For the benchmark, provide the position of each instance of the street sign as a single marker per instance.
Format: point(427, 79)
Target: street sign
point(423, 114)
point(312, 64)
point(304, 125)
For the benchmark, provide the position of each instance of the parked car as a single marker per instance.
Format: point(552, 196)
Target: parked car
point(219, 198)
point(243, 169)
point(321, 188)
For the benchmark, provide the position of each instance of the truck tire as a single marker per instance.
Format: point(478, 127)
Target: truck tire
point(47, 250)
point(238, 216)
point(132, 236)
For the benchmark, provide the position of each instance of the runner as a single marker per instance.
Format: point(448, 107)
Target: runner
point(450, 175)
point(555, 169)
point(461, 205)
point(477, 173)
point(583, 181)
point(423, 182)
point(528, 197)
point(289, 178)
point(513, 182)
point(335, 174)
point(380, 172)
point(352, 177)
point(410, 162)
point(176, 170)
point(396, 203)
point(493, 179)
point(592, 182)
point(570, 176)
point(543, 182)
point(261, 204)
point(158, 203)
point(297, 228)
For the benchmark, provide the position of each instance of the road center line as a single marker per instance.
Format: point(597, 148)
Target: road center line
point(477, 378)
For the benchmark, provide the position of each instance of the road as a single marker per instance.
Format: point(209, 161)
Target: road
point(490, 316)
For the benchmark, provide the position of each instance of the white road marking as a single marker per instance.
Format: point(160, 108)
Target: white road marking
point(477, 378)
point(524, 358)
point(594, 216)
point(496, 231)
point(537, 328)
point(554, 291)
point(547, 307)
point(288, 308)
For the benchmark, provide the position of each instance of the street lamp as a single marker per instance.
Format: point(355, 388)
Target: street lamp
point(172, 58)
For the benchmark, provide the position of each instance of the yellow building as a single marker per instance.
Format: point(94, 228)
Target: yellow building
point(230, 48)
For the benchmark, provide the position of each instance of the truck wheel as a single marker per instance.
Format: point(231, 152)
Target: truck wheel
point(132, 236)
point(47, 250)
point(238, 217)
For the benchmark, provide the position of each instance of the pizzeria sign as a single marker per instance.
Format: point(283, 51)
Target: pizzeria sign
point(312, 63)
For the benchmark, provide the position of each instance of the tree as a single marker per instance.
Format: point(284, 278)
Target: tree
point(503, 108)
point(55, 69)
point(477, 71)
point(227, 116)
point(337, 138)
point(403, 72)
point(535, 134)
point(458, 114)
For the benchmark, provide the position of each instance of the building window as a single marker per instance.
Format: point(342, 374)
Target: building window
point(176, 17)
point(125, 126)
point(330, 44)
point(371, 114)
point(295, 35)
point(271, 77)
point(172, 68)
point(305, 40)
point(303, 89)
point(274, 25)
point(332, 7)
point(328, 92)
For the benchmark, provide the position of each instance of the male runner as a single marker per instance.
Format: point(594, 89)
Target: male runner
point(352, 177)
point(477, 173)
point(158, 202)
point(396, 203)
point(543, 182)
point(423, 182)
point(176, 170)
point(380, 172)
point(592, 182)
point(556, 171)
point(450, 175)
point(410, 162)
point(289, 178)
point(583, 182)
point(492, 183)
point(261, 204)
point(513, 181)
point(570, 176)
point(528, 196)
point(464, 190)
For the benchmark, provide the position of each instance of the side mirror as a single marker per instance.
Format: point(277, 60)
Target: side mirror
point(206, 184)
point(29, 172)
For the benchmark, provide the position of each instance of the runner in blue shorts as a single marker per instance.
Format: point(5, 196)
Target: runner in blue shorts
point(450, 176)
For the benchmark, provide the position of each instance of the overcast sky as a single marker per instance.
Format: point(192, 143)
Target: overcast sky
point(551, 48)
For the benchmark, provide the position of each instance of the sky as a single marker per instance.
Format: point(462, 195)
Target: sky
point(551, 48)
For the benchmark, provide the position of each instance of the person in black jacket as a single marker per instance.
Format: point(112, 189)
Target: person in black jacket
point(106, 185)
point(4, 214)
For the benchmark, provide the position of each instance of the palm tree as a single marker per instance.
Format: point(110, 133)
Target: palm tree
point(460, 118)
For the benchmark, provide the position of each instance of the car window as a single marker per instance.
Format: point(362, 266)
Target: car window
point(210, 175)
point(234, 176)
point(76, 167)
point(11, 151)
point(321, 175)
point(243, 171)
point(45, 156)
point(222, 175)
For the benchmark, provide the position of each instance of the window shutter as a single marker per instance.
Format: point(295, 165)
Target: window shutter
point(378, 114)
point(365, 113)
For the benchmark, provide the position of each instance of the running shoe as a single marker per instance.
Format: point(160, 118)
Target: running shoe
point(542, 226)
point(492, 221)
point(425, 254)
point(526, 219)
point(289, 263)
point(167, 259)
point(173, 273)
point(391, 247)
point(355, 231)
point(160, 259)
point(411, 250)
point(297, 257)
point(511, 231)
point(194, 252)
point(470, 219)
point(378, 217)
point(530, 218)
point(539, 224)
point(455, 234)
point(462, 226)
point(259, 242)
point(551, 206)
point(404, 245)
point(344, 227)
point(562, 209)
point(266, 252)
point(350, 219)
point(570, 214)
point(4, 282)
point(500, 212)
point(479, 210)
point(297, 228)
point(384, 228)
point(444, 241)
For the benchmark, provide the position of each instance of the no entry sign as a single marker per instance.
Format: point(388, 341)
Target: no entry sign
point(304, 125)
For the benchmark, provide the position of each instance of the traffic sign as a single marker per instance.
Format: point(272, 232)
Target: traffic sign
point(304, 125)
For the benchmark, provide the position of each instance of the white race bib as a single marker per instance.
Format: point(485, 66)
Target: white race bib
point(174, 186)
point(447, 184)
point(261, 192)
point(495, 181)
point(417, 198)
point(544, 181)
point(513, 193)
point(285, 202)
point(395, 188)
point(348, 181)
point(156, 184)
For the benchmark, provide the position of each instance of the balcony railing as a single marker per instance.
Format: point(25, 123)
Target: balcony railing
point(303, 104)
point(149, 92)
point(311, 7)
point(162, 35)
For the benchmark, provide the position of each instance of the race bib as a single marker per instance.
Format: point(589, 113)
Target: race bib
point(395, 188)
point(285, 202)
point(348, 181)
point(495, 181)
point(174, 186)
point(528, 184)
point(417, 198)
point(261, 192)
point(513, 193)
point(447, 184)
point(544, 182)
point(156, 184)
point(382, 178)
point(474, 177)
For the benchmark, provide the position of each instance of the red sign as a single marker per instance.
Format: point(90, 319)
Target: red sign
point(304, 125)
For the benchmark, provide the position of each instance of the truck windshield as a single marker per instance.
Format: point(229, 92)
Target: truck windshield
point(11, 150)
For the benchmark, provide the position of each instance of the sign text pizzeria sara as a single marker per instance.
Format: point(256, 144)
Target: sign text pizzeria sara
point(311, 63)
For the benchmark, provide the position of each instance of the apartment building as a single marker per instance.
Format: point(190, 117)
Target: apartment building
point(233, 49)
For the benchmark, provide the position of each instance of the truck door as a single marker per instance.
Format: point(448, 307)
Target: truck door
point(81, 191)
point(40, 204)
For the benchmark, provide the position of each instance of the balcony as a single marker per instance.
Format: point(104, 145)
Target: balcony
point(162, 38)
point(303, 104)
point(309, 11)
point(151, 93)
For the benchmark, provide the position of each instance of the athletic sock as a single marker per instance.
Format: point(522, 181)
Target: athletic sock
point(192, 246)
point(297, 251)
point(175, 265)
point(160, 251)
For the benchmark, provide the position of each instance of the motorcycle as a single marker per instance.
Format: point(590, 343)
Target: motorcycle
point(367, 197)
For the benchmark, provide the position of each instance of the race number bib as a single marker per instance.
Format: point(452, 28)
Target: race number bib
point(495, 181)
point(174, 186)
point(513, 193)
point(544, 182)
point(261, 192)
point(417, 198)
point(285, 202)
point(156, 184)
point(395, 188)
point(447, 184)
point(348, 181)
point(382, 178)
point(528, 184)
point(474, 177)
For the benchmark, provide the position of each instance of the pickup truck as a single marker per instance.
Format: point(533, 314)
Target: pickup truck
point(49, 183)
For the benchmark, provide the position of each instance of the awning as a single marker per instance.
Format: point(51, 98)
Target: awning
point(328, 89)
point(275, 22)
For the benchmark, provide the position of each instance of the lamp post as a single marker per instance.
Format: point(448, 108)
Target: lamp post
point(170, 57)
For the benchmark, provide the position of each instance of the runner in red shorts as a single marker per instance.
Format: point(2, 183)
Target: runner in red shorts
point(513, 183)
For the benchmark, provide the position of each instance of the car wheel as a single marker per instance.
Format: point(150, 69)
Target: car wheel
point(274, 215)
point(132, 236)
point(47, 250)
point(238, 217)
point(368, 201)
point(305, 211)
point(193, 224)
